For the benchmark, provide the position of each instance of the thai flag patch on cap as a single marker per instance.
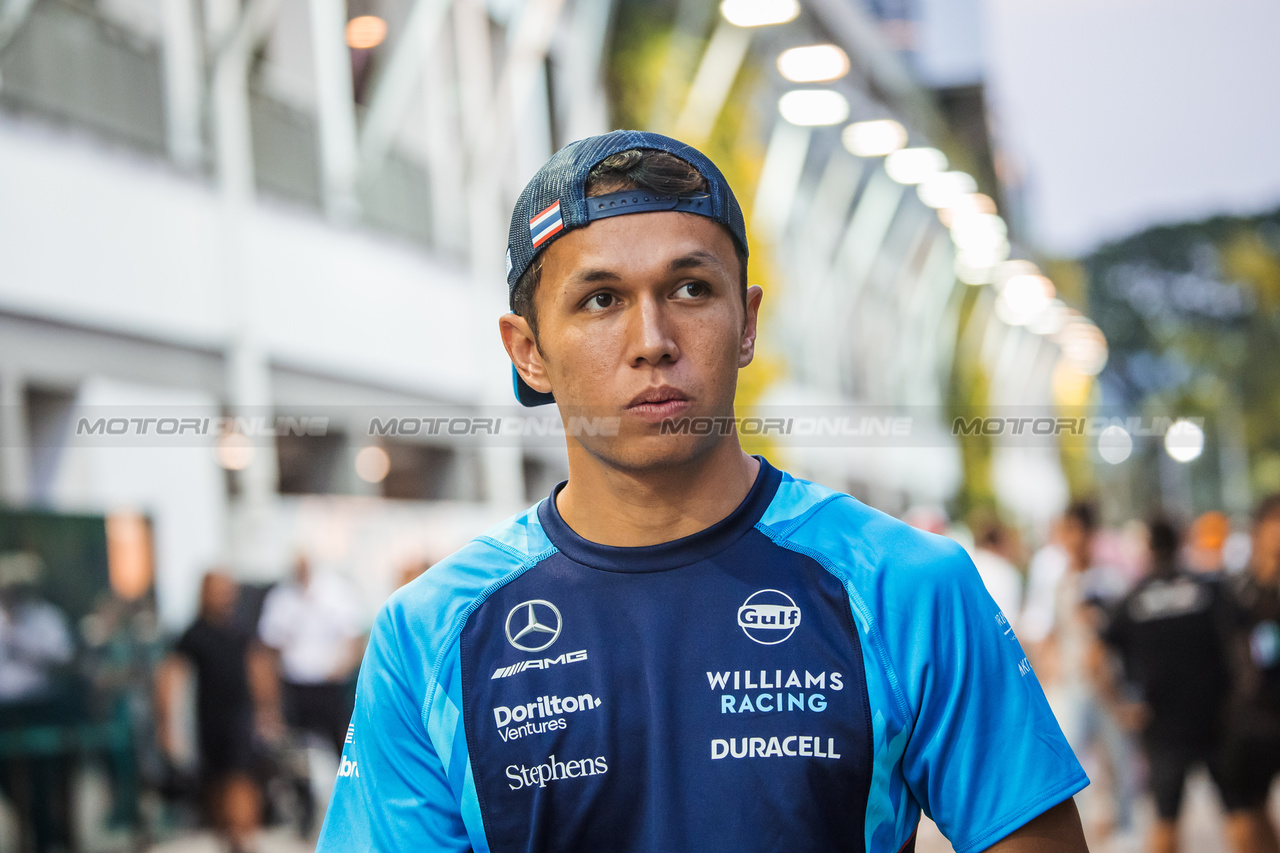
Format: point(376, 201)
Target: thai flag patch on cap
point(546, 224)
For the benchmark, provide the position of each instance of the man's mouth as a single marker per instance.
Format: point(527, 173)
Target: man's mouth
point(657, 404)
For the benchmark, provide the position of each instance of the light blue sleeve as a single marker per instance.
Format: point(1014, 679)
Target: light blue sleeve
point(405, 781)
point(392, 792)
point(985, 754)
point(960, 726)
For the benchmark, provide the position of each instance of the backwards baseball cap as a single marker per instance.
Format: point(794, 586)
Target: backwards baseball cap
point(555, 202)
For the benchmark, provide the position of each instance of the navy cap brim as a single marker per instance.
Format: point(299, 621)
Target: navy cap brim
point(525, 394)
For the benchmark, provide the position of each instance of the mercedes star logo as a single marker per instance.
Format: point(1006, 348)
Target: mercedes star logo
point(536, 625)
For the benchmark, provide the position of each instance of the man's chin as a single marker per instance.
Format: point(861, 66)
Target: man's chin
point(653, 452)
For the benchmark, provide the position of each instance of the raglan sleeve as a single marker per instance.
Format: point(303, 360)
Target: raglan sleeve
point(985, 754)
point(392, 791)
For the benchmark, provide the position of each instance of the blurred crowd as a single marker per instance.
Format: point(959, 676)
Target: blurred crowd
point(1157, 646)
point(238, 721)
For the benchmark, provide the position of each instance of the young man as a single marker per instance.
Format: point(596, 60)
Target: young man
point(1168, 635)
point(683, 648)
point(216, 651)
point(1251, 760)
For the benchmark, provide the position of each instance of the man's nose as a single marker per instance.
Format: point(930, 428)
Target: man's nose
point(652, 334)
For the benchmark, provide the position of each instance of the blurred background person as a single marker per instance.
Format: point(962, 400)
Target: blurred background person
point(36, 689)
point(995, 549)
point(411, 570)
point(1174, 675)
point(1252, 753)
point(1067, 653)
point(311, 626)
point(1044, 572)
point(215, 649)
point(1205, 542)
point(312, 631)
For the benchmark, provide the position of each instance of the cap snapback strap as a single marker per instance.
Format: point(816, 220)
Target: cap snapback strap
point(638, 201)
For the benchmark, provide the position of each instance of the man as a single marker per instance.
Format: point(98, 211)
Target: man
point(991, 556)
point(37, 690)
point(1167, 633)
point(1061, 630)
point(684, 648)
point(312, 624)
point(1252, 753)
point(216, 650)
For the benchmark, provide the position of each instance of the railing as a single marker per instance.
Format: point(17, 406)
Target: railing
point(71, 66)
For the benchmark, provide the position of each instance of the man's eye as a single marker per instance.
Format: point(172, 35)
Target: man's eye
point(599, 301)
point(693, 290)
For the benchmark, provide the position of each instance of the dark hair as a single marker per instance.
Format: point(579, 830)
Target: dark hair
point(1164, 537)
point(1083, 513)
point(1267, 507)
point(633, 169)
point(988, 532)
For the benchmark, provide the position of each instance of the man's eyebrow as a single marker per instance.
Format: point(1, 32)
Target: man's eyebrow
point(697, 258)
point(591, 276)
point(692, 260)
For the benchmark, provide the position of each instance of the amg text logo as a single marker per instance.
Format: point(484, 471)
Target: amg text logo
point(538, 663)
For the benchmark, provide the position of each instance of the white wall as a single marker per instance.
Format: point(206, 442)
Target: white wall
point(180, 488)
point(96, 236)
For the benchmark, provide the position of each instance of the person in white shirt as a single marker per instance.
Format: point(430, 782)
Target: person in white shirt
point(1068, 595)
point(999, 575)
point(314, 626)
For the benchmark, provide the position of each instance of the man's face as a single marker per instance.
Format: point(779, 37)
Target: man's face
point(1075, 538)
point(1265, 563)
point(220, 594)
point(640, 318)
point(302, 571)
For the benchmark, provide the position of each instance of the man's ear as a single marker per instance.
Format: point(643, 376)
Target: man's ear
point(522, 349)
point(747, 350)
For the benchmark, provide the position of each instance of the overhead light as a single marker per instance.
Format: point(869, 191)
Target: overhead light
point(813, 107)
point(373, 464)
point(1184, 441)
point(972, 203)
point(874, 138)
point(1115, 444)
point(1023, 299)
point(1084, 346)
point(1051, 320)
point(978, 230)
point(365, 32)
point(945, 189)
point(913, 165)
point(759, 13)
point(989, 255)
point(1009, 269)
point(813, 64)
point(970, 274)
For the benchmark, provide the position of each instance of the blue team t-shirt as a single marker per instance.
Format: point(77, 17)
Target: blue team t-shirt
point(806, 674)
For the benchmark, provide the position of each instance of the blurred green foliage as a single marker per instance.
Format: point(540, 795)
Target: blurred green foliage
point(1192, 318)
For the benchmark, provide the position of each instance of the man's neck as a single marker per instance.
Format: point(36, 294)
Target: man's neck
point(610, 506)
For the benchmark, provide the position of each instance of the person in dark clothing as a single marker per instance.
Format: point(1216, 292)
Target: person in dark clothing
point(1167, 633)
point(216, 650)
point(37, 690)
point(1252, 752)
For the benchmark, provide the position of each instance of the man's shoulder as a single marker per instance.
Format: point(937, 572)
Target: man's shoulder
point(853, 537)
